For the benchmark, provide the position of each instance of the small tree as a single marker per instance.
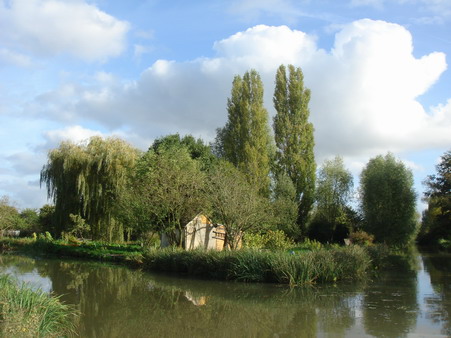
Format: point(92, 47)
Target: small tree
point(235, 203)
point(437, 218)
point(388, 200)
point(9, 216)
point(168, 187)
point(333, 192)
point(30, 220)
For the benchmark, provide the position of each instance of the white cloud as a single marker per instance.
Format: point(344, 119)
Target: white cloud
point(9, 57)
point(75, 134)
point(364, 91)
point(51, 27)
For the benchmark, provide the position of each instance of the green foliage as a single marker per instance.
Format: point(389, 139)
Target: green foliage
point(87, 180)
point(46, 219)
point(9, 216)
point(30, 220)
point(246, 138)
point(48, 236)
point(284, 206)
point(444, 243)
point(330, 222)
point(308, 245)
point(437, 218)
point(28, 313)
point(388, 200)
point(197, 149)
point(234, 202)
point(71, 246)
point(264, 266)
point(294, 137)
point(167, 190)
point(79, 228)
point(361, 238)
point(334, 189)
point(273, 240)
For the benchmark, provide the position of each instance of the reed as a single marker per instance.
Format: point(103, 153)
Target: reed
point(25, 312)
point(319, 266)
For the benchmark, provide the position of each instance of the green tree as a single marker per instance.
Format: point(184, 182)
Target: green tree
point(294, 137)
point(9, 216)
point(168, 188)
point(197, 149)
point(246, 138)
point(437, 218)
point(285, 206)
point(86, 180)
point(46, 218)
point(388, 200)
point(333, 192)
point(235, 202)
point(30, 220)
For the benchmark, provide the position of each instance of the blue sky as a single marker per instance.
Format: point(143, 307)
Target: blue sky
point(71, 69)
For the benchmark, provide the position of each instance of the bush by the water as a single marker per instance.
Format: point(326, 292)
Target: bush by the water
point(28, 313)
point(274, 240)
point(361, 238)
point(323, 265)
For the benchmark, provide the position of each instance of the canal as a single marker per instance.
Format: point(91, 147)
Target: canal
point(411, 298)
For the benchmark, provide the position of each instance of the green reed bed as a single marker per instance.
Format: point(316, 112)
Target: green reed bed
point(25, 312)
point(319, 266)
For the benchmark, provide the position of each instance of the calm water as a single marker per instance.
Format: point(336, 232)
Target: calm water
point(412, 299)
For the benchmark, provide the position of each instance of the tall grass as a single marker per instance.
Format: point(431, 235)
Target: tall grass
point(323, 265)
point(28, 313)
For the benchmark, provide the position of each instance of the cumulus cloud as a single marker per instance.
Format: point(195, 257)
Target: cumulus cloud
point(51, 27)
point(364, 90)
point(75, 134)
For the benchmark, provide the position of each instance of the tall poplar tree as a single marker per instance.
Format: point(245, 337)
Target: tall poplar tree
point(246, 139)
point(294, 137)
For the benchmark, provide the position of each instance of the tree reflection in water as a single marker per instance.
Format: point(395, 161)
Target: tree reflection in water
point(390, 305)
point(115, 301)
point(439, 304)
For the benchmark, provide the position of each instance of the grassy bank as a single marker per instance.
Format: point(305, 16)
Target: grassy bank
point(28, 313)
point(294, 267)
point(319, 266)
point(117, 253)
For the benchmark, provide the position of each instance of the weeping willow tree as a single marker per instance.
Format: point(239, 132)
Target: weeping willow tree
point(87, 180)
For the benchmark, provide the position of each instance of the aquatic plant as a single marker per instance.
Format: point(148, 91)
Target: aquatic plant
point(322, 265)
point(25, 312)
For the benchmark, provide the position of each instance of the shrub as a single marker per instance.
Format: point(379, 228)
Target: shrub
point(361, 238)
point(309, 245)
point(274, 240)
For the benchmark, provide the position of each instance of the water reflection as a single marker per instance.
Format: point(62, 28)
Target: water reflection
point(390, 305)
point(439, 302)
point(118, 302)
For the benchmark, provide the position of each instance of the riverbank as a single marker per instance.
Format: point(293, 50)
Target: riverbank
point(323, 265)
point(29, 313)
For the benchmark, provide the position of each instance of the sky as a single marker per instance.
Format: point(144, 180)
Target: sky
point(138, 70)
